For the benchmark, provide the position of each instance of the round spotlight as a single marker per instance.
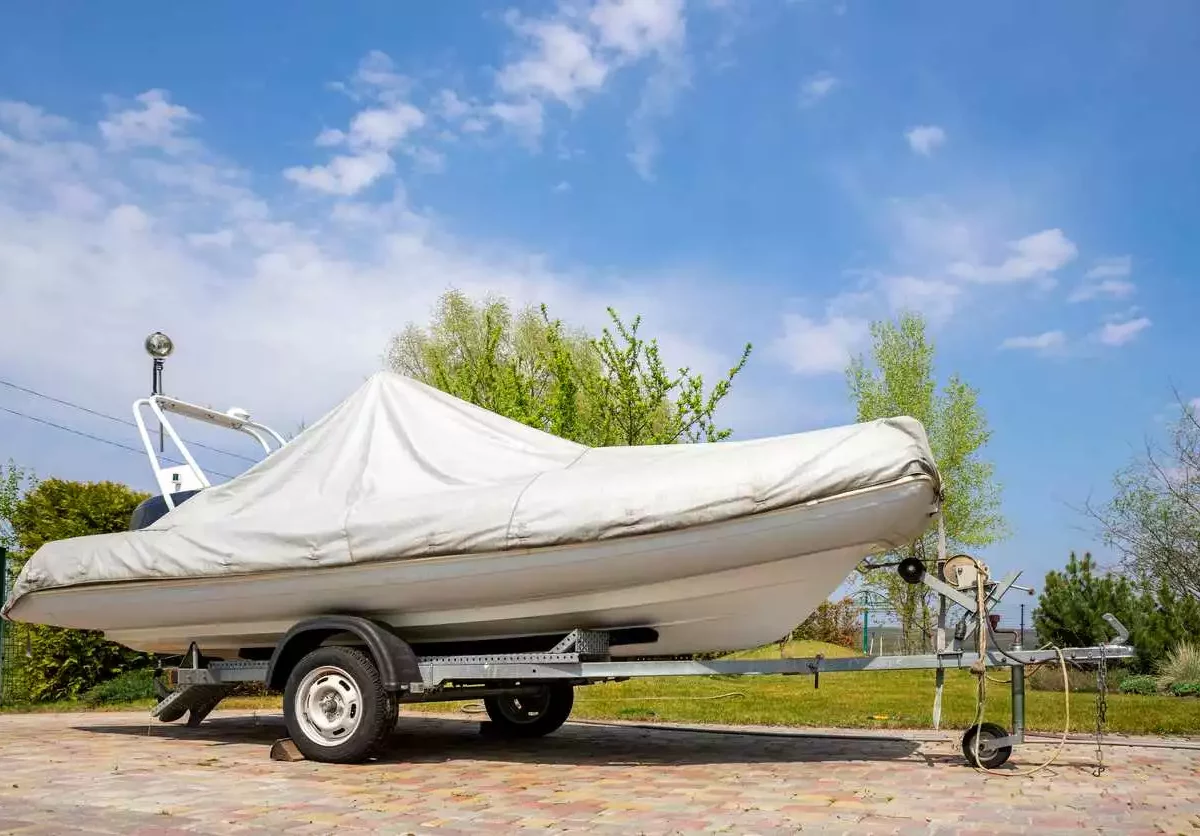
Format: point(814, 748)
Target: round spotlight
point(911, 570)
point(159, 345)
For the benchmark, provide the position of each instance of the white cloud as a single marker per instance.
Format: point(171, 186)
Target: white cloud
point(571, 54)
point(527, 118)
point(934, 298)
point(383, 127)
point(817, 87)
point(372, 135)
point(310, 291)
point(329, 138)
point(155, 124)
point(817, 347)
point(1117, 334)
point(29, 121)
point(562, 186)
point(1106, 279)
point(635, 28)
point(1117, 267)
point(376, 79)
point(222, 238)
point(1034, 257)
point(344, 175)
point(1104, 289)
point(560, 64)
point(925, 139)
point(1046, 341)
point(657, 100)
point(469, 115)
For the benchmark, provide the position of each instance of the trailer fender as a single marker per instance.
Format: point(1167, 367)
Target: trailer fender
point(395, 659)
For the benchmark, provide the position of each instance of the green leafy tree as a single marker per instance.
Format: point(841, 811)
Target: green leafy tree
point(834, 622)
point(64, 663)
point(1073, 602)
point(899, 379)
point(605, 391)
point(13, 483)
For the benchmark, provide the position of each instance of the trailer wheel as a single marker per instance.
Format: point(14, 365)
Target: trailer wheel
point(335, 706)
point(530, 715)
point(990, 756)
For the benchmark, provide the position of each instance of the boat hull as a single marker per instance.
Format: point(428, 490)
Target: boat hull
point(719, 587)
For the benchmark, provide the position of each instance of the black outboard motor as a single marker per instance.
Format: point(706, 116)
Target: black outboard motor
point(154, 508)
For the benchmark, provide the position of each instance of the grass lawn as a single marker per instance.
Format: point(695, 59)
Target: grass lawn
point(870, 700)
point(882, 700)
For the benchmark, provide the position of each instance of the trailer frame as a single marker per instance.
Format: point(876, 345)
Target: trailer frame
point(200, 685)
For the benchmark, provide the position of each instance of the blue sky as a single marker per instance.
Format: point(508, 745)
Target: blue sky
point(282, 186)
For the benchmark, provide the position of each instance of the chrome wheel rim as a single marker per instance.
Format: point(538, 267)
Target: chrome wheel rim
point(523, 709)
point(328, 705)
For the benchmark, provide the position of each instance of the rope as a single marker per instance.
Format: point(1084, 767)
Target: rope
point(984, 629)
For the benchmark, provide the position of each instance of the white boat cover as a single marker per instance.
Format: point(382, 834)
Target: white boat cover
point(402, 470)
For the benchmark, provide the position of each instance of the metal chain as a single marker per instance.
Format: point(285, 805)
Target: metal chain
point(1101, 710)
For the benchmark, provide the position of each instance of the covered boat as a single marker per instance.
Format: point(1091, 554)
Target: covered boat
point(459, 527)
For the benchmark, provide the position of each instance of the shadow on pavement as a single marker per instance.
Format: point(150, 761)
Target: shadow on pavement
point(434, 740)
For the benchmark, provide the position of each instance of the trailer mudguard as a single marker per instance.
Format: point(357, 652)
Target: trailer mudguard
point(395, 659)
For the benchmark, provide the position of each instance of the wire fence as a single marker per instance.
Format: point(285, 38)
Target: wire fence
point(14, 682)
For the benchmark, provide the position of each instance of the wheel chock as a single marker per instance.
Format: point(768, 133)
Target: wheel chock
point(285, 750)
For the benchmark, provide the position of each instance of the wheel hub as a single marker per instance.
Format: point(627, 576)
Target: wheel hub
point(524, 708)
point(328, 705)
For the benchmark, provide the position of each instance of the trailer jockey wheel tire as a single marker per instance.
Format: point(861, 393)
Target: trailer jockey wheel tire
point(530, 715)
point(335, 706)
point(989, 757)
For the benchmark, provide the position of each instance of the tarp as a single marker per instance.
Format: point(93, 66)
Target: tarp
point(402, 470)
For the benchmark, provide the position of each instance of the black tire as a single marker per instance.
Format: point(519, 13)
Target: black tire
point(522, 715)
point(359, 713)
point(989, 757)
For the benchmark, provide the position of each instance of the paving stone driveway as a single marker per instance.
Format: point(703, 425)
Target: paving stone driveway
point(118, 774)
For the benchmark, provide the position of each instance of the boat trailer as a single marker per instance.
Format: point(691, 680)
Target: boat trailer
point(344, 678)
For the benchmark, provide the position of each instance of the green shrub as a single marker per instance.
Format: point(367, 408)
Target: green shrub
point(129, 686)
point(1140, 684)
point(1186, 689)
point(55, 663)
point(1181, 665)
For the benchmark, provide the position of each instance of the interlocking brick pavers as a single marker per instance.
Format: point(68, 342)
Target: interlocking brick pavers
point(124, 774)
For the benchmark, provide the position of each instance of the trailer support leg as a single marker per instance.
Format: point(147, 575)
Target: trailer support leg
point(1018, 703)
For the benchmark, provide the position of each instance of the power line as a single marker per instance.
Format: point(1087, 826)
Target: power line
point(108, 441)
point(124, 421)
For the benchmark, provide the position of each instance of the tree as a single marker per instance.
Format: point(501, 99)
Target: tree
point(63, 663)
point(1153, 519)
point(834, 622)
point(1164, 620)
point(611, 390)
point(899, 380)
point(1073, 602)
point(13, 483)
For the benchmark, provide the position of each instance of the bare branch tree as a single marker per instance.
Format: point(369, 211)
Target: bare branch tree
point(1153, 518)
